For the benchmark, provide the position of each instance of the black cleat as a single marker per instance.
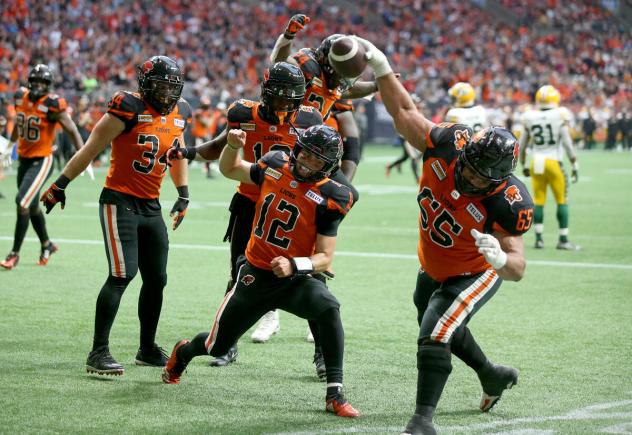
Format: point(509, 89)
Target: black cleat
point(419, 425)
point(100, 361)
point(226, 359)
point(46, 252)
point(495, 379)
point(155, 356)
point(319, 362)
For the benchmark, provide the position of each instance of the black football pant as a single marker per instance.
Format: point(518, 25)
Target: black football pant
point(258, 291)
point(443, 311)
point(133, 242)
point(32, 174)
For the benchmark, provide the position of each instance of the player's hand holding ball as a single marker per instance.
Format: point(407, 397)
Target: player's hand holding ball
point(375, 58)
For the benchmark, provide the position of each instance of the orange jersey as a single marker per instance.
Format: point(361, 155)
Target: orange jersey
point(36, 121)
point(446, 247)
point(339, 106)
point(263, 137)
point(316, 94)
point(201, 124)
point(138, 162)
point(289, 214)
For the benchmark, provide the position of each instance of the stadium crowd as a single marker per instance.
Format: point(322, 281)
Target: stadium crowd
point(93, 46)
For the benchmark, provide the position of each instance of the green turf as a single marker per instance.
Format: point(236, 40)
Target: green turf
point(566, 328)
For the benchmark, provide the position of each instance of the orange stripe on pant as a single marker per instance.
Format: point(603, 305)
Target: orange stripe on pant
point(37, 183)
point(463, 305)
point(210, 340)
point(113, 247)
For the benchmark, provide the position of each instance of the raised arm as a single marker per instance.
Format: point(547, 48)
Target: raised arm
point(283, 46)
point(230, 163)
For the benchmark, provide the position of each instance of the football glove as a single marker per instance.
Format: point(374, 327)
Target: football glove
point(489, 246)
point(179, 153)
point(179, 209)
point(375, 58)
point(575, 172)
point(6, 157)
point(526, 172)
point(296, 24)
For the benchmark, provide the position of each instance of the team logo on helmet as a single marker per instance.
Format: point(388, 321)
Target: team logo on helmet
point(512, 194)
point(516, 153)
point(147, 66)
point(248, 279)
point(461, 138)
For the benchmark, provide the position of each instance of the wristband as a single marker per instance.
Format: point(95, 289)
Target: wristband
point(190, 153)
point(62, 182)
point(183, 192)
point(302, 265)
point(232, 147)
point(500, 261)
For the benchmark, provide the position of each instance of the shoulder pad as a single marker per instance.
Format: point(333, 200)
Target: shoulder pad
point(55, 103)
point(446, 140)
point(20, 93)
point(125, 105)
point(274, 159)
point(306, 60)
point(240, 111)
point(339, 197)
point(511, 207)
point(307, 117)
point(184, 109)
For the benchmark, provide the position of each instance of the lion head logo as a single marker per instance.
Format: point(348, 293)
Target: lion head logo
point(248, 279)
point(461, 138)
point(512, 194)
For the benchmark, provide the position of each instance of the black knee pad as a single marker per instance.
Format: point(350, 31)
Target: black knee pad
point(119, 284)
point(34, 211)
point(351, 150)
point(20, 210)
point(434, 356)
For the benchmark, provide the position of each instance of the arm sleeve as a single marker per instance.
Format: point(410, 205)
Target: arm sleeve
point(125, 107)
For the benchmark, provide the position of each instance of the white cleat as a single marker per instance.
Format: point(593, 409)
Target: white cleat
point(268, 326)
point(310, 336)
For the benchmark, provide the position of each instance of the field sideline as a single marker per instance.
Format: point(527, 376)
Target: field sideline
point(566, 325)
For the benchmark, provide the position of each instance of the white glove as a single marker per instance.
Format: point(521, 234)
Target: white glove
point(489, 246)
point(90, 172)
point(5, 155)
point(376, 59)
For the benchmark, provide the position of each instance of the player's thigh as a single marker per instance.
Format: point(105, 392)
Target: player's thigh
point(242, 214)
point(119, 226)
point(424, 289)
point(153, 247)
point(558, 181)
point(32, 174)
point(455, 302)
point(539, 184)
point(307, 297)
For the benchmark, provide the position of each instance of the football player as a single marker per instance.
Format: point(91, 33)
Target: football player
point(463, 110)
point(297, 214)
point(141, 128)
point(325, 86)
point(546, 130)
point(473, 213)
point(38, 111)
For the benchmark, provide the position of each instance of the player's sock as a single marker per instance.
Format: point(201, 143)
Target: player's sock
point(332, 343)
point(149, 307)
point(195, 347)
point(107, 307)
point(467, 349)
point(562, 220)
point(433, 366)
point(21, 225)
point(39, 224)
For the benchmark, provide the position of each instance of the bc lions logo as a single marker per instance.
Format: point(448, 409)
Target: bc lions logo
point(248, 279)
point(512, 194)
point(461, 138)
point(147, 66)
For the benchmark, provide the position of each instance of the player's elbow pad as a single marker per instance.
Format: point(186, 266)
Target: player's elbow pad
point(351, 149)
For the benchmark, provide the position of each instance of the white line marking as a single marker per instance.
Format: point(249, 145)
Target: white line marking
point(381, 255)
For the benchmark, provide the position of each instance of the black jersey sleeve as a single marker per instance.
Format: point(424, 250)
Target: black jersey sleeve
point(126, 107)
point(306, 60)
point(337, 200)
point(268, 165)
point(446, 140)
point(510, 209)
point(307, 117)
point(55, 105)
point(184, 110)
point(239, 112)
point(19, 95)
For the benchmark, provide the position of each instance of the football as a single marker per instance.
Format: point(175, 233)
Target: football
point(347, 57)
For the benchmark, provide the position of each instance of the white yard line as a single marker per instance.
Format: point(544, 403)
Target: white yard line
point(381, 255)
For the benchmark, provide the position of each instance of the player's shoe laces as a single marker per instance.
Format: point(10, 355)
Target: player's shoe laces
point(100, 361)
point(155, 356)
point(227, 358)
point(419, 425)
point(339, 406)
point(11, 261)
point(268, 326)
point(319, 362)
point(568, 246)
point(494, 380)
point(175, 367)
point(46, 252)
point(539, 244)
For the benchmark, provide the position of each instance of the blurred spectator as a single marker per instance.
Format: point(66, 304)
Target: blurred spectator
point(589, 125)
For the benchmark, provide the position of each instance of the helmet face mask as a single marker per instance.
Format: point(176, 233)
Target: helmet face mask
point(318, 143)
point(160, 83)
point(282, 91)
point(486, 161)
point(39, 81)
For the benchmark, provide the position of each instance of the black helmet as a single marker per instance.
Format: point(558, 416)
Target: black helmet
point(322, 141)
point(492, 154)
point(40, 79)
point(282, 91)
point(160, 83)
point(333, 79)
